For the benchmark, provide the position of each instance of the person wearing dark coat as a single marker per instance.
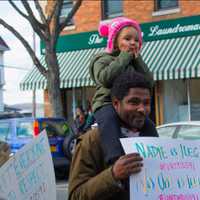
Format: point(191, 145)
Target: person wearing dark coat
point(91, 177)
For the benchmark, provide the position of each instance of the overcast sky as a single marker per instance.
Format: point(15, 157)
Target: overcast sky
point(16, 57)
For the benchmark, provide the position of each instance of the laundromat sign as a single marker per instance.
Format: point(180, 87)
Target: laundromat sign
point(85, 40)
point(165, 29)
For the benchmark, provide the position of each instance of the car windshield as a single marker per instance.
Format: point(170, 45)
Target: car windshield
point(4, 130)
point(24, 129)
point(166, 132)
point(189, 132)
point(55, 128)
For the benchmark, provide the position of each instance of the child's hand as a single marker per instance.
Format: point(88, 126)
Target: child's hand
point(136, 53)
point(125, 48)
point(133, 51)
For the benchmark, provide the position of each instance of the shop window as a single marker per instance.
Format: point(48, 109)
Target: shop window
point(165, 4)
point(111, 9)
point(66, 8)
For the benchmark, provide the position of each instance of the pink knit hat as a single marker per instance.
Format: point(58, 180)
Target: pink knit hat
point(110, 30)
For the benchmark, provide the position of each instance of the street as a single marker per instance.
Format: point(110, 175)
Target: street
point(61, 189)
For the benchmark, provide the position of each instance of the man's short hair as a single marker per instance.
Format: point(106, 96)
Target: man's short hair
point(126, 80)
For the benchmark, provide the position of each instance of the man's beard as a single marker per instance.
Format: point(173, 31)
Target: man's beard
point(133, 123)
point(137, 123)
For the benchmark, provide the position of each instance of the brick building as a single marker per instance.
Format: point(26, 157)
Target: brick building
point(171, 43)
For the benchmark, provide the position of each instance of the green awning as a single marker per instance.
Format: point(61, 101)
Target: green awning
point(74, 71)
point(176, 58)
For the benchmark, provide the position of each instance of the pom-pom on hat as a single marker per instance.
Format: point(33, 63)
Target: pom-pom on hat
point(110, 30)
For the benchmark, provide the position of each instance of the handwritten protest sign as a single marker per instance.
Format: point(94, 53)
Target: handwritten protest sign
point(171, 169)
point(29, 174)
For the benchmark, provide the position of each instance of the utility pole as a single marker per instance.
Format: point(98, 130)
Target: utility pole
point(34, 95)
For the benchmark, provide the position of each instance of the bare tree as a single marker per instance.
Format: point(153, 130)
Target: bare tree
point(47, 27)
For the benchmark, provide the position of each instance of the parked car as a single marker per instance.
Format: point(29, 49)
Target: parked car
point(185, 130)
point(19, 131)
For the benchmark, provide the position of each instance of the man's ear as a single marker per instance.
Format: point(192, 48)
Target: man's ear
point(115, 103)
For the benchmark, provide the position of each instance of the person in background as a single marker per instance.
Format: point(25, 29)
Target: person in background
point(79, 121)
point(4, 152)
point(122, 53)
point(91, 177)
point(83, 120)
point(90, 120)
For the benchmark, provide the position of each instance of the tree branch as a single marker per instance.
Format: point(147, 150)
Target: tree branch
point(37, 26)
point(26, 45)
point(70, 15)
point(40, 29)
point(49, 18)
point(17, 9)
point(55, 23)
point(39, 9)
point(32, 16)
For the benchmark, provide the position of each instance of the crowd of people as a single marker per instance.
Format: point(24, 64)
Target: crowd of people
point(121, 105)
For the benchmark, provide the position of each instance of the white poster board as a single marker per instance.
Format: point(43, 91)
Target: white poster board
point(171, 169)
point(29, 174)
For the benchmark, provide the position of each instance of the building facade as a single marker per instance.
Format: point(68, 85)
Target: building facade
point(171, 43)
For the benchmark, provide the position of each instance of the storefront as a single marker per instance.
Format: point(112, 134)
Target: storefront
point(172, 52)
point(171, 49)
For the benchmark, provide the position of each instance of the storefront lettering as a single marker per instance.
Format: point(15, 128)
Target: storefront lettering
point(95, 39)
point(157, 31)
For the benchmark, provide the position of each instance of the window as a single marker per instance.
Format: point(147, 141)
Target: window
point(24, 129)
point(55, 128)
point(166, 132)
point(66, 8)
point(4, 130)
point(165, 4)
point(189, 132)
point(111, 9)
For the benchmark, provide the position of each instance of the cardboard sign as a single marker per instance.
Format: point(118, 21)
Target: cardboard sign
point(171, 169)
point(29, 174)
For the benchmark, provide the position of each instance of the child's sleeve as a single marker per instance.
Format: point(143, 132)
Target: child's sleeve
point(106, 68)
